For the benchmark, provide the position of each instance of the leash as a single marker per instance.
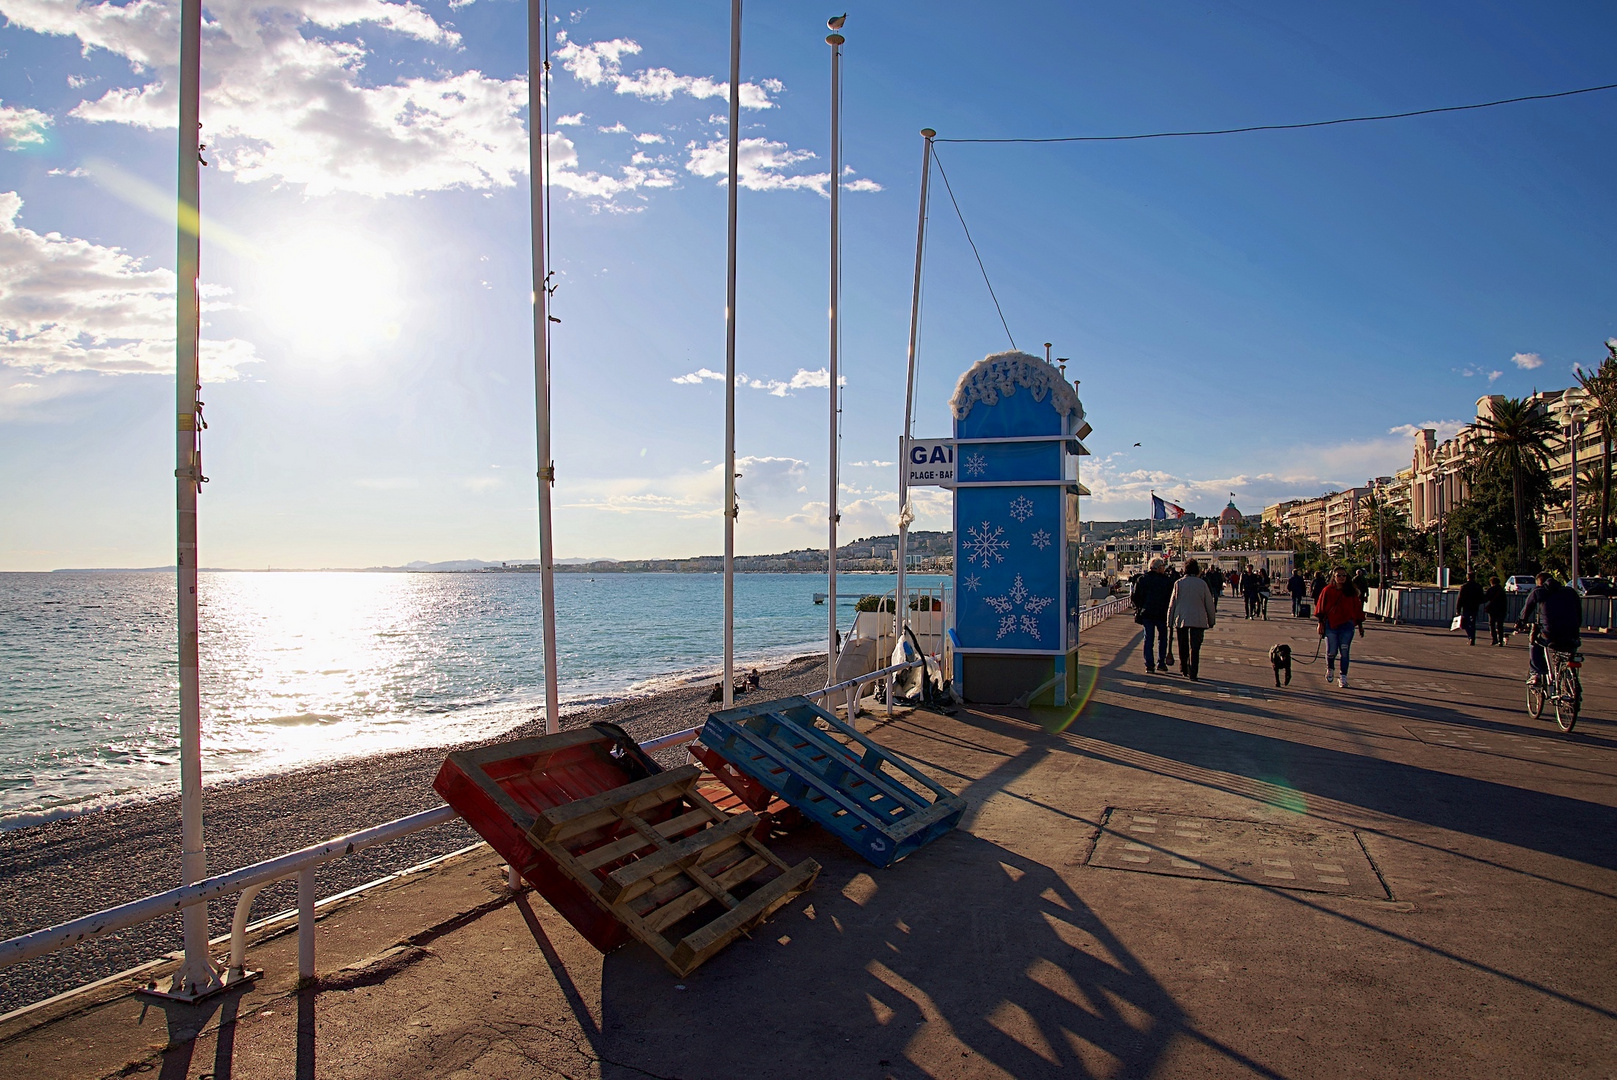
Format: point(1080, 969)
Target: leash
point(1317, 646)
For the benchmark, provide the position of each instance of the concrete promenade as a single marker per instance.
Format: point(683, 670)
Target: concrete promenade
point(1405, 879)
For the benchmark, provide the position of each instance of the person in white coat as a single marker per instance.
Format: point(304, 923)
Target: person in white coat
point(1191, 611)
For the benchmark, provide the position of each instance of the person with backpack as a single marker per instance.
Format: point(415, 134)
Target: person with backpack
point(1151, 595)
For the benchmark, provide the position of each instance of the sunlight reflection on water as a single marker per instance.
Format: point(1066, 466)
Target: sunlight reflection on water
point(300, 668)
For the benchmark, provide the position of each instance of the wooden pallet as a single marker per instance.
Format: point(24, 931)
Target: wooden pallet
point(659, 856)
point(865, 795)
point(505, 790)
point(733, 791)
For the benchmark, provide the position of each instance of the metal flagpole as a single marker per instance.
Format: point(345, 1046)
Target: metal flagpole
point(730, 507)
point(901, 618)
point(199, 975)
point(835, 41)
point(541, 351)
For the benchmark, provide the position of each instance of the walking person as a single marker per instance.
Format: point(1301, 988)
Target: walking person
point(1469, 602)
point(1341, 611)
point(1151, 595)
point(1317, 587)
point(1252, 591)
point(1495, 601)
point(1192, 612)
point(1214, 580)
point(1298, 588)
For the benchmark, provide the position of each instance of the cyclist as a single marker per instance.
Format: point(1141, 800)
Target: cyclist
point(1559, 615)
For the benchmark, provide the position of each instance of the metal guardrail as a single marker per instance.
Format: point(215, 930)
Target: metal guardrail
point(1094, 616)
point(1436, 607)
point(249, 881)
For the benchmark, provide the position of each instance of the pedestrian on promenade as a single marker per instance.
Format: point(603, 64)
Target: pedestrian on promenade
point(1193, 612)
point(1298, 589)
point(1362, 584)
point(1214, 581)
point(1469, 603)
point(1252, 592)
point(1234, 582)
point(1317, 587)
point(1151, 595)
point(1495, 600)
point(1341, 611)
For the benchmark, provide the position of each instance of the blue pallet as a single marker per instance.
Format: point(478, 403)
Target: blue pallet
point(840, 779)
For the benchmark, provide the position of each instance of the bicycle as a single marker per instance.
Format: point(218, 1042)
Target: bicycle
point(1561, 686)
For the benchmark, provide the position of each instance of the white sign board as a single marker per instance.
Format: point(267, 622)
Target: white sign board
point(930, 462)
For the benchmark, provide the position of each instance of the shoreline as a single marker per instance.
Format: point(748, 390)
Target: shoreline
point(60, 869)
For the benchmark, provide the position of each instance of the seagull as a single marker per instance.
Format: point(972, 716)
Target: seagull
point(836, 21)
point(1136, 444)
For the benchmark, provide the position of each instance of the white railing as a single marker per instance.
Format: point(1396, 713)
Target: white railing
point(1099, 613)
point(249, 881)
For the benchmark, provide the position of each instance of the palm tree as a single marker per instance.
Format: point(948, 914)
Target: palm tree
point(1601, 387)
point(1516, 436)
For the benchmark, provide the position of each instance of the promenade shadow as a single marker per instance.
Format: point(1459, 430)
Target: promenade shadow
point(964, 960)
point(1540, 821)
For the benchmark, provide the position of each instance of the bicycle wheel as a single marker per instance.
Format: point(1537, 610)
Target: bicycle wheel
point(1535, 699)
point(1568, 698)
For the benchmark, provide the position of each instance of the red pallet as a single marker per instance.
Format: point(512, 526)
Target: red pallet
point(620, 847)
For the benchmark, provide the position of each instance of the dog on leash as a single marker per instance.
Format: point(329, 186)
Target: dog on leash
point(1280, 660)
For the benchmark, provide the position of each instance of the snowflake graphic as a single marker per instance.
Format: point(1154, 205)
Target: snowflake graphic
point(1019, 595)
point(1021, 508)
point(972, 583)
point(976, 464)
point(986, 544)
point(1041, 539)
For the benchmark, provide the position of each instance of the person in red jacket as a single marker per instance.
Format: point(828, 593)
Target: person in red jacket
point(1340, 612)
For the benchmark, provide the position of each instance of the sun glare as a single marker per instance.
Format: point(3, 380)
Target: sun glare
point(331, 293)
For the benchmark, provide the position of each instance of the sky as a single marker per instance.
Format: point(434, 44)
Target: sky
point(1270, 315)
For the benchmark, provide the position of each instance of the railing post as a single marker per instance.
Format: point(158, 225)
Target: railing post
point(305, 924)
point(238, 934)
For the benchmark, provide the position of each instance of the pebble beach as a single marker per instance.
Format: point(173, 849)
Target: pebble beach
point(60, 870)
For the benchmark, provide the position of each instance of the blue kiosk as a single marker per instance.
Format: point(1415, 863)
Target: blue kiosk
point(1017, 430)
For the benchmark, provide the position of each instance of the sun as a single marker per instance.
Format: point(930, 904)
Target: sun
point(331, 293)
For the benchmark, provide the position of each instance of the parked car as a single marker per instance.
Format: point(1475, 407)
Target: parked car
point(1519, 583)
point(1593, 586)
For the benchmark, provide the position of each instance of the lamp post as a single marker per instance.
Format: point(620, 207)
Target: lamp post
point(1571, 407)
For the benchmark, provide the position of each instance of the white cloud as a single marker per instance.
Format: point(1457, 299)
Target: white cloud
point(803, 380)
point(1446, 429)
point(70, 305)
point(615, 129)
point(648, 137)
point(601, 63)
point(1493, 377)
point(698, 376)
point(22, 127)
point(1527, 361)
point(570, 120)
point(290, 108)
point(760, 165)
point(871, 464)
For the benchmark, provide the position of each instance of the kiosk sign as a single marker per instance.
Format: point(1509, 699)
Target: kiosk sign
point(930, 462)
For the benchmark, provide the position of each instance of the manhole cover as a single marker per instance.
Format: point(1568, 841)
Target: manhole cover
point(1247, 852)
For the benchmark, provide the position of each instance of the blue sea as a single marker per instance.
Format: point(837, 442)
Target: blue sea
point(299, 668)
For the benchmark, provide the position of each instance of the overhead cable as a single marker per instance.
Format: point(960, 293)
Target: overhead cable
point(939, 162)
point(1293, 127)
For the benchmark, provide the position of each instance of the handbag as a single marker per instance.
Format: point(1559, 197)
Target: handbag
point(1458, 623)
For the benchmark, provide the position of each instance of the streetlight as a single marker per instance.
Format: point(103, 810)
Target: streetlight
point(1571, 408)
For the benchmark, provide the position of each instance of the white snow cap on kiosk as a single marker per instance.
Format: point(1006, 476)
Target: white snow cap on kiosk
point(1000, 374)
